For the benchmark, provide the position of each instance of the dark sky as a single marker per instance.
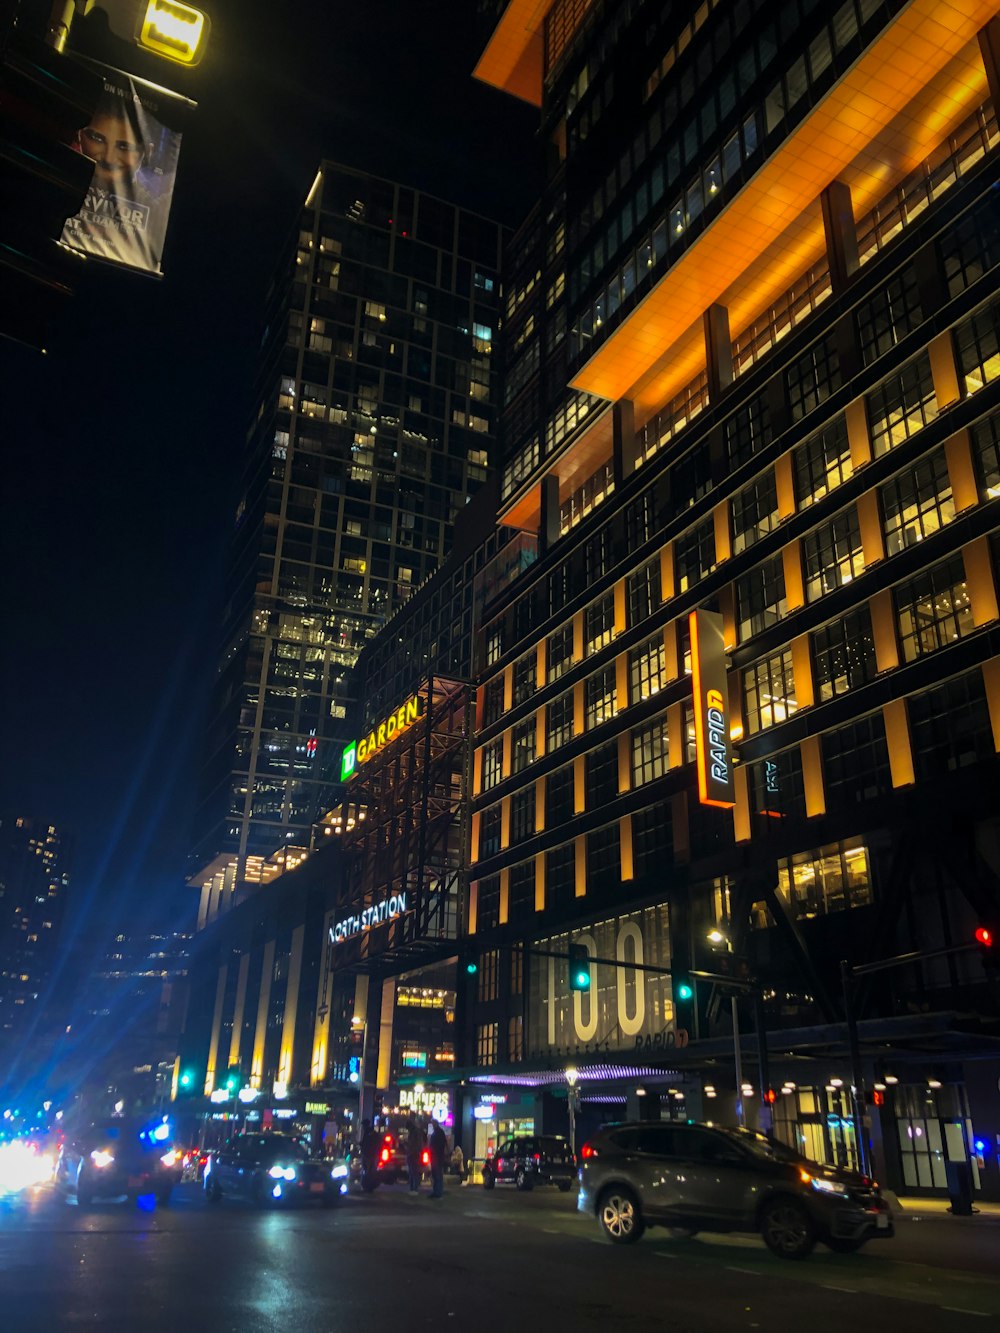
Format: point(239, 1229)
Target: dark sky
point(122, 447)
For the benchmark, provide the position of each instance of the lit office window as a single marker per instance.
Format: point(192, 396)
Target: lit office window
point(486, 1043)
point(832, 554)
point(822, 463)
point(977, 343)
point(843, 654)
point(933, 609)
point(832, 879)
point(769, 690)
point(916, 503)
point(650, 751)
point(559, 654)
point(559, 728)
point(754, 511)
point(523, 744)
point(901, 405)
point(487, 976)
point(492, 764)
point(599, 623)
point(524, 677)
point(986, 450)
point(601, 697)
point(647, 669)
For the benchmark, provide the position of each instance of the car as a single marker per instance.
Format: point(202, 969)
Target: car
point(525, 1162)
point(692, 1178)
point(117, 1157)
point(272, 1168)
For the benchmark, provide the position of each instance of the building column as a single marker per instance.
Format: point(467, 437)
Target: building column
point(260, 1032)
point(324, 999)
point(548, 528)
point(287, 1048)
point(961, 471)
point(241, 999)
point(841, 234)
point(718, 351)
point(883, 618)
point(213, 1046)
point(989, 47)
point(625, 440)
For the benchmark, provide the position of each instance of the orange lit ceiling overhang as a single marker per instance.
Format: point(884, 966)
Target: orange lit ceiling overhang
point(217, 866)
point(921, 77)
point(580, 461)
point(514, 58)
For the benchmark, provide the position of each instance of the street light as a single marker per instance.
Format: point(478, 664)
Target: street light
point(716, 937)
point(167, 28)
point(572, 1100)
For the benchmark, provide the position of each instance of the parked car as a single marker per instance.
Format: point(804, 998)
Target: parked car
point(272, 1168)
point(530, 1161)
point(119, 1157)
point(707, 1178)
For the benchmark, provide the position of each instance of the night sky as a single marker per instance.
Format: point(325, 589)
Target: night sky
point(122, 447)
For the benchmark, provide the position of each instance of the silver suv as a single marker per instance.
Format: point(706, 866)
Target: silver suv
point(692, 1178)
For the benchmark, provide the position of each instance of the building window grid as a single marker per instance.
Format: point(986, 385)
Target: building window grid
point(916, 503)
point(977, 343)
point(647, 669)
point(843, 655)
point(901, 405)
point(487, 979)
point(747, 431)
point(644, 592)
point(523, 738)
point(769, 692)
point(831, 879)
point(559, 722)
point(888, 316)
point(525, 678)
point(933, 609)
point(986, 450)
point(950, 727)
point(813, 377)
point(650, 751)
point(822, 463)
point(856, 763)
point(694, 555)
point(492, 764)
point(487, 1036)
point(559, 652)
point(832, 555)
point(754, 511)
point(493, 701)
point(760, 598)
point(601, 697)
point(599, 623)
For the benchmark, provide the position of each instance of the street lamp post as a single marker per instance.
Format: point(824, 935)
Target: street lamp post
point(572, 1095)
point(716, 937)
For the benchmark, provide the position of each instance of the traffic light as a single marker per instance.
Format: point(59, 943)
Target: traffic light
point(579, 968)
point(683, 991)
point(186, 1080)
point(472, 967)
point(987, 937)
point(233, 1079)
point(770, 1096)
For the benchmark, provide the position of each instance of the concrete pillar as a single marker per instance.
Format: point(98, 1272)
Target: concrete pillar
point(625, 439)
point(841, 234)
point(989, 47)
point(718, 351)
point(548, 528)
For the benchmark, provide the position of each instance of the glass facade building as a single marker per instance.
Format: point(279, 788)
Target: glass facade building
point(373, 426)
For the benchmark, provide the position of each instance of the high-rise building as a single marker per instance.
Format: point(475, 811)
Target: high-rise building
point(34, 877)
point(372, 428)
point(752, 377)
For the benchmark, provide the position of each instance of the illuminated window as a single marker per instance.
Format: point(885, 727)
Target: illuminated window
point(694, 554)
point(486, 1043)
point(901, 405)
point(515, 1038)
point(832, 554)
point(754, 511)
point(599, 623)
point(601, 697)
point(760, 598)
point(647, 669)
point(650, 751)
point(492, 764)
point(559, 655)
point(933, 609)
point(832, 879)
point(917, 503)
point(822, 463)
point(843, 654)
point(986, 448)
point(524, 678)
point(523, 745)
point(559, 722)
point(769, 690)
point(978, 346)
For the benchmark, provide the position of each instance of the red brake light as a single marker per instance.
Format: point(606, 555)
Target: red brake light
point(538, 1157)
point(588, 1150)
point(425, 1158)
point(984, 936)
point(385, 1154)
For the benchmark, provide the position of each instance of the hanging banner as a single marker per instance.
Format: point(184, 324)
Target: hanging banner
point(134, 141)
point(711, 709)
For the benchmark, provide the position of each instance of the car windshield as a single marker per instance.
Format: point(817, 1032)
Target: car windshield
point(286, 1149)
point(760, 1146)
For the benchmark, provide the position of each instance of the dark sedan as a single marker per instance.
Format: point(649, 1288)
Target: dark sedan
point(271, 1169)
point(537, 1159)
point(691, 1178)
point(119, 1157)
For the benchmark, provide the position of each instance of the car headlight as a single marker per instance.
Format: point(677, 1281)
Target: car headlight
point(101, 1158)
point(829, 1187)
point(339, 1172)
point(170, 1158)
point(282, 1173)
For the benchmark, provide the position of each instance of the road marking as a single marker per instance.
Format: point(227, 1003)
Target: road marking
point(666, 1254)
point(957, 1309)
point(829, 1286)
point(752, 1271)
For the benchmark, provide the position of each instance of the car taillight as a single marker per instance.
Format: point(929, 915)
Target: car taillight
point(425, 1158)
point(386, 1154)
point(587, 1151)
point(538, 1158)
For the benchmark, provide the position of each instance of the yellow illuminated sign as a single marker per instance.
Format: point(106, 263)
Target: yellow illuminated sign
point(178, 32)
point(359, 752)
point(711, 721)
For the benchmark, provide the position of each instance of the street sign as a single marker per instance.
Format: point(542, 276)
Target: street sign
point(175, 31)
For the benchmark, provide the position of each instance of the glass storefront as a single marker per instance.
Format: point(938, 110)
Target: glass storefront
point(934, 1128)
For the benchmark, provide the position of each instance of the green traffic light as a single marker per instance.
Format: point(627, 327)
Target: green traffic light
point(472, 968)
point(684, 991)
point(186, 1079)
point(581, 981)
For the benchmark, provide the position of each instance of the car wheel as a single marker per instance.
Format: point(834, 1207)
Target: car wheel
point(787, 1229)
point(522, 1180)
point(619, 1216)
point(213, 1191)
point(839, 1246)
point(489, 1180)
point(84, 1192)
point(564, 1186)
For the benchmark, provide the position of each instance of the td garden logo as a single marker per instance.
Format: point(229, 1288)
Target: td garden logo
point(359, 752)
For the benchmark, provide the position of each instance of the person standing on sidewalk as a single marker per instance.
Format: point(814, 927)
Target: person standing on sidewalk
point(439, 1151)
point(414, 1155)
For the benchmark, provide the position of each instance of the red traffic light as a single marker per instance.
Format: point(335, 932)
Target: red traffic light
point(770, 1096)
point(878, 1097)
point(984, 936)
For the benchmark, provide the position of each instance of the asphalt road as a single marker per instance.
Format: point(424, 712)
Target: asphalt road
point(499, 1261)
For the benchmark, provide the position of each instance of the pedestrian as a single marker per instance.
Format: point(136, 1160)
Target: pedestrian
point(415, 1144)
point(369, 1156)
point(458, 1163)
point(439, 1151)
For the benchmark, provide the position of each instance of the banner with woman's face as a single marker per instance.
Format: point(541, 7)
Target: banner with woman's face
point(134, 140)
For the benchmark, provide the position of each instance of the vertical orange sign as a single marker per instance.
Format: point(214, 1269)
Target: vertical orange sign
point(711, 709)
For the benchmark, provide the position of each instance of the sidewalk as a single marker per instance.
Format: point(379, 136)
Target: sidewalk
point(911, 1207)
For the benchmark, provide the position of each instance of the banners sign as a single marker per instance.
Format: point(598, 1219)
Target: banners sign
point(134, 141)
point(711, 709)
